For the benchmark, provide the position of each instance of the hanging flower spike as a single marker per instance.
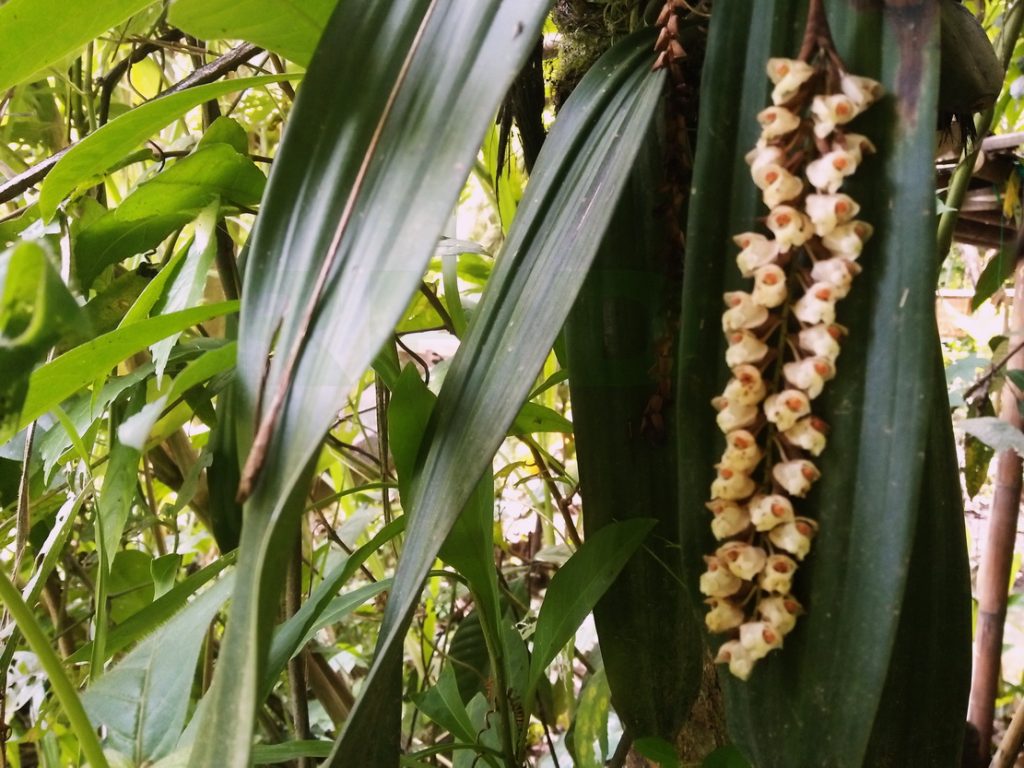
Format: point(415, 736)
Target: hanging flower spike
point(783, 343)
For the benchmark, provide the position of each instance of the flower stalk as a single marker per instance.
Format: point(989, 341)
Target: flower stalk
point(783, 344)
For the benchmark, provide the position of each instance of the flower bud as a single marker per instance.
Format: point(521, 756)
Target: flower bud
point(809, 374)
point(742, 452)
point(790, 226)
point(731, 485)
point(828, 211)
point(856, 144)
point(746, 387)
point(758, 638)
point(796, 476)
point(730, 519)
point(743, 560)
point(862, 91)
point(769, 286)
point(776, 122)
point(768, 511)
point(735, 655)
point(808, 434)
point(847, 240)
point(795, 537)
point(788, 75)
point(822, 340)
point(733, 415)
point(763, 154)
point(723, 615)
point(786, 407)
point(757, 251)
point(742, 312)
point(717, 580)
point(778, 574)
point(744, 347)
point(780, 611)
point(817, 305)
point(830, 111)
point(837, 272)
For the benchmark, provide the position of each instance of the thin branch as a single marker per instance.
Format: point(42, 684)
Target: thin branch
point(208, 73)
point(109, 81)
point(549, 480)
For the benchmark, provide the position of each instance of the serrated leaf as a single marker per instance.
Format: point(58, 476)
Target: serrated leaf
point(289, 27)
point(101, 150)
point(557, 228)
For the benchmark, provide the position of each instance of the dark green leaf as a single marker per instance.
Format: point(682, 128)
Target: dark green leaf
point(658, 750)
point(443, 704)
point(534, 418)
point(996, 272)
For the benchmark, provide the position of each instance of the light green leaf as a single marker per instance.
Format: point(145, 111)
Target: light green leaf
point(45, 31)
point(186, 289)
point(558, 226)
point(442, 704)
point(143, 700)
point(534, 418)
point(591, 722)
point(58, 380)
point(101, 150)
point(577, 586)
point(289, 27)
point(166, 203)
point(365, 180)
point(996, 433)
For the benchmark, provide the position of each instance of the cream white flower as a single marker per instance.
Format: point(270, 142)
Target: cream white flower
point(778, 574)
point(847, 240)
point(857, 145)
point(822, 340)
point(780, 611)
point(830, 111)
point(744, 347)
point(788, 75)
point(828, 172)
point(733, 415)
point(735, 655)
point(769, 286)
point(786, 407)
point(828, 211)
point(837, 272)
point(729, 518)
point(719, 581)
point(808, 434)
point(758, 638)
point(809, 374)
point(763, 154)
point(742, 452)
point(757, 251)
point(743, 560)
point(862, 91)
point(743, 312)
point(770, 510)
point(731, 485)
point(796, 476)
point(776, 122)
point(790, 227)
point(776, 184)
point(794, 537)
point(817, 305)
point(723, 615)
point(746, 387)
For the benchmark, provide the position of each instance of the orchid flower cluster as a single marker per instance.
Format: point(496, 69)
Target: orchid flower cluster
point(783, 342)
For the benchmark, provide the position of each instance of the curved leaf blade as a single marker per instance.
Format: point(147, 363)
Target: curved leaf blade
point(557, 230)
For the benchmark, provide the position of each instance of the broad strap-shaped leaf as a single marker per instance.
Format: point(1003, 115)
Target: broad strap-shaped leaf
point(103, 149)
point(560, 222)
point(369, 169)
point(815, 701)
point(143, 700)
point(38, 33)
point(289, 27)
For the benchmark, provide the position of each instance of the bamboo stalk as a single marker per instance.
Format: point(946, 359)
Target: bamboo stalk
point(1012, 741)
point(994, 571)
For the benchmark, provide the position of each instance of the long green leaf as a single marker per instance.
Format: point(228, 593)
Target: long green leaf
point(101, 150)
point(58, 380)
point(367, 174)
point(557, 229)
point(815, 702)
point(289, 27)
point(38, 33)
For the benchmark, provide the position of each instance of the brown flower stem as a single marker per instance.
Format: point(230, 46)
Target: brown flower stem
point(817, 34)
